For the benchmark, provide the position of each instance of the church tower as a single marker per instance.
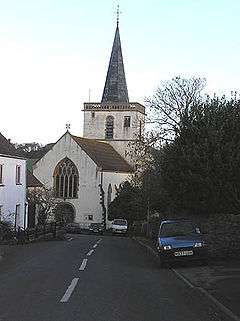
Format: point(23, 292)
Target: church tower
point(114, 119)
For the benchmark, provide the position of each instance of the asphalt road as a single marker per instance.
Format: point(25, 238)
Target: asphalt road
point(92, 278)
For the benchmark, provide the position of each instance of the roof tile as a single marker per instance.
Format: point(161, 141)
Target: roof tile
point(103, 154)
point(6, 148)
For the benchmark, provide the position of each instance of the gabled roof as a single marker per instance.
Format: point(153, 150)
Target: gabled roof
point(115, 89)
point(6, 148)
point(32, 180)
point(103, 154)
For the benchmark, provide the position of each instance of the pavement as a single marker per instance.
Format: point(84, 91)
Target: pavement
point(95, 278)
point(220, 279)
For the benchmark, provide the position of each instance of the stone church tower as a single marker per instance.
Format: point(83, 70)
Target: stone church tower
point(114, 120)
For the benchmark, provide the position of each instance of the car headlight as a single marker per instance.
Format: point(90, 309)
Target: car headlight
point(198, 244)
point(167, 247)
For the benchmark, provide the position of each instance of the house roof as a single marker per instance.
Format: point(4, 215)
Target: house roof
point(6, 148)
point(103, 154)
point(32, 180)
point(35, 155)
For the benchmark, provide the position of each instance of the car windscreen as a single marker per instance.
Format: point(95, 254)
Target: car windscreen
point(172, 229)
point(120, 222)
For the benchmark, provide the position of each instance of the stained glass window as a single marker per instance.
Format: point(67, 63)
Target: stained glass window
point(66, 179)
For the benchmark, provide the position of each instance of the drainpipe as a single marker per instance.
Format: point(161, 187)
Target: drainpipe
point(25, 215)
point(102, 200)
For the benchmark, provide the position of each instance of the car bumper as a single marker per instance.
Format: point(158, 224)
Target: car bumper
point(119, 231)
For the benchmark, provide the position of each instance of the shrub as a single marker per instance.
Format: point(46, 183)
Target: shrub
point(6, 231)
point(222, 235)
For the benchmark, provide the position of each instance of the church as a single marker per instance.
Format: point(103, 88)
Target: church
point(85, 171)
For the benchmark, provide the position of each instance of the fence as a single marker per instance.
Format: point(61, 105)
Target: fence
point(40, 231)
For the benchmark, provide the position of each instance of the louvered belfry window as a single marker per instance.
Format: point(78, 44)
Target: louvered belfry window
point(109, 127)
point(66, 179)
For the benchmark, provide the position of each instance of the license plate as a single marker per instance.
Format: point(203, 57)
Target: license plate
point(183, 253)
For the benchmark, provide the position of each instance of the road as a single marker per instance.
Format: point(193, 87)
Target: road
point(93, 278)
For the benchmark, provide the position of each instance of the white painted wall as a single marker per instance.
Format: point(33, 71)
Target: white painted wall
point(88, 201)
point(12, 194)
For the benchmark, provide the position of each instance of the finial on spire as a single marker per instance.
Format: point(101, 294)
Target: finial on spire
point(68, 126)
point(118, 14)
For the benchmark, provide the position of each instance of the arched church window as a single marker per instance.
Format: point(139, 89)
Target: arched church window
point(109, 195)
point(66, 179)
point(109, 127)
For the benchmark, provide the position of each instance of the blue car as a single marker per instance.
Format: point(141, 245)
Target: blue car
point(180, 239)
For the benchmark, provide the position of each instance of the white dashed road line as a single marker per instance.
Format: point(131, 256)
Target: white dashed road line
point(83, 265)
point(74, 282)
point(69, 291)
point(90, 252)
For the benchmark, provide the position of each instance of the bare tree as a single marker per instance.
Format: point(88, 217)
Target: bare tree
point(171, 103)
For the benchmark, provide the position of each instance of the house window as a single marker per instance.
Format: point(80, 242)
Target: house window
point(109, 127)
point(90, 217)
point(93, 114)
point(66, 179)
point(18, 174)
point(127, 121)
point(1, 174)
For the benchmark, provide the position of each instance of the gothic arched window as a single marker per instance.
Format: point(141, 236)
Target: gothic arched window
point(66, 179)
point(109, 127)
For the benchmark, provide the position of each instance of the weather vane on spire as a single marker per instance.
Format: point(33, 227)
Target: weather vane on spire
point(68, 126)
point(118, 14)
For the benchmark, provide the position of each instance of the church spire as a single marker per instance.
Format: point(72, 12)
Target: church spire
point(115, 89)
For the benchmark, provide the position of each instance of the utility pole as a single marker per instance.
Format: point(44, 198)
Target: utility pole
point(148, 205)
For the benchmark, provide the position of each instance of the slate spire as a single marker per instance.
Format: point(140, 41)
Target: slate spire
point(115, 89)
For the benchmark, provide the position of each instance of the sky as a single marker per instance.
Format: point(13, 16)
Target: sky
point(54, 53)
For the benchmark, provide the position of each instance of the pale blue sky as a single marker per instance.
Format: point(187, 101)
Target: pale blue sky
point(53, 51)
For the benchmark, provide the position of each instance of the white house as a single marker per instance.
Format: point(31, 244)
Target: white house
point(84, 169)
point(13, 205)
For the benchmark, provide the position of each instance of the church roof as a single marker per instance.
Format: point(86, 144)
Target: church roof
point(115, 89)
point(8, 149)
point(103, 154)
point(32, 180)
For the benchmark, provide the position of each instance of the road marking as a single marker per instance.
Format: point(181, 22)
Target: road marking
point(90, 252)
point(183, 278)
point(83, 265)
point(69, 291)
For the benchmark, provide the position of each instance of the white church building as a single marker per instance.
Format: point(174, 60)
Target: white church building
point(85, 171)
